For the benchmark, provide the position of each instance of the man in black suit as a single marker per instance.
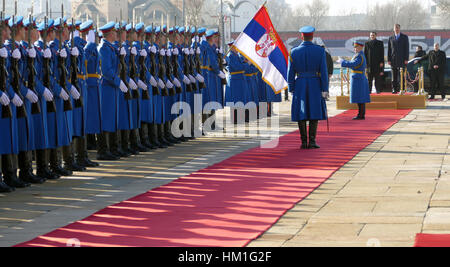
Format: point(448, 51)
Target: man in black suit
point(436, 69)
point(398, 56)
point(374, 52)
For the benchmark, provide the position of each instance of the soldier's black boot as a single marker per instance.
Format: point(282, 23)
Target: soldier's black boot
point(204, 119)
point(82, 154)
point(69, 160)
point(136, 142)
point(103, 152)
point(193, 117)
point(153, 135)
point(91, 142)
point(10, 173)
point(145, 136)
point(182, 138)
point(55, 163)
point(312, 134)
point(269, 109)
point(168, 132)
point(42, 165)
point(26, 169)
point(161, 136)
point(125, 143)
point(303, 134)
point(4, 188)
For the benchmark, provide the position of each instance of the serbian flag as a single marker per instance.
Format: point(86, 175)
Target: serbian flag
point(262, 46)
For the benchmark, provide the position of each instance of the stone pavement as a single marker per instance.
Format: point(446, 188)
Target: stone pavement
point(395, 188)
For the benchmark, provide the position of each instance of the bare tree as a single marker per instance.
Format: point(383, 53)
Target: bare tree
point(444, 6)
point(317, 11)
point(280, 15)
point(194, 11)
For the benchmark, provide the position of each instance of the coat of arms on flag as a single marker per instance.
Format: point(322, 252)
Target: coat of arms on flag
point(262, 46)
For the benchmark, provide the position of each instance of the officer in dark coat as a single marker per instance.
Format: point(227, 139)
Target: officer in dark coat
point(398, 55)
point(308, 81)
point(436, 69)
point(419, 52)
point(374, 53)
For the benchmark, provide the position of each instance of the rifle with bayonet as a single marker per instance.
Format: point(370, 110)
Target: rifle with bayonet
point(192, 61)
point(31, 82)
point(221, 66)
point(62, 66)
point(186, 68)
point(197, 60)
point(133, 70)
point(143, 71)
point(74, 70)
point(156, 90)
point(6, 110)
point(51, 106)
point(122, 66)
point(169, 71)
point(176, 67)
point(16, 77)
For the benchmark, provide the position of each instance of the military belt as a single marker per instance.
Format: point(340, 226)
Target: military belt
point(94, 76)
point(81, 77)
point(237, 72)
point(309, 75)
point(356, 71)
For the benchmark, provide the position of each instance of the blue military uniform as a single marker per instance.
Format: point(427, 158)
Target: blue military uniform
point(308, 80)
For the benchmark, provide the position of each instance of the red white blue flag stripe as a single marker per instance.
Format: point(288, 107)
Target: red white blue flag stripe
point(262, 46)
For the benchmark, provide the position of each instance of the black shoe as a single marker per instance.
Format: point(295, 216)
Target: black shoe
point(149, 145)
point(107, 156)
point(304, 146)
point(313, 145)
point(13, 181)
point(4, 188)
point(85, 162)
point(60, 171)
point(357, 118)
point(29, 177)
point(74, 167)
point(165, 142)
point(47, 174)
point(139, 147)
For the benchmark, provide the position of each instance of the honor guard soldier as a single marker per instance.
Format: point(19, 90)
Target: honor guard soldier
point(9, 146)
point(359, 85)
point(110, 85)
point(308, 81)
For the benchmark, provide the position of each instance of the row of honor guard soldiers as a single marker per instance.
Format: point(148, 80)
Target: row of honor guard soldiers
point(62, 88)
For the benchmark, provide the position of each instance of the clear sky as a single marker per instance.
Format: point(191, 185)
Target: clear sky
point(338, 7)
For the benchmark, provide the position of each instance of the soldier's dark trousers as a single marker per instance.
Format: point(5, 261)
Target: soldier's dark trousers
point(91, 142)
point(4, 188)
point(437, 84)
point(135, 141)
point(9, 165)
point(362, 111)
point(69, 159)
point(378, 82)
point(103, 150)
point(153, 135)
point(26, 168)
point(82, 157)
point(56, 162)
point(144, 133)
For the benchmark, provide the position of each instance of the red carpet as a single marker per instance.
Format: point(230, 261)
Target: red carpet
point(233, 202)
point(429, 240)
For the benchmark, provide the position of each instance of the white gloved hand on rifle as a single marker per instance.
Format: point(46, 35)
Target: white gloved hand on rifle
point(186, 80)
point(199, 51)
point(169, 85)
point(122, 51)
point(16, 54)
point(176, 82)
point(168, 53)
point(31, 52)
point(161, 84)
point(75, 52)
point(47, 53)
point(191, 51)
point(143, 53)
point(175, 52)
point(3, 52)
point(162, 52)
point(153, 82)
point(142, 85)
point(153, 49)
point(123, 87)
point(62, 53)
point(133, 51)
point(74, 92)
point(222, 75)
point(64, 95)
point(48, 95)
point(325, 95)
point(191, 78)
point(132, 84)
point(4, 99)
point(31, 96)
point(200, 78)
point(17, 101)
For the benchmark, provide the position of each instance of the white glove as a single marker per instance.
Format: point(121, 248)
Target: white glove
point(340, 60)
point(4, 100)
point(186, 51)
point(47, 53)
point(224, 61)
point(168, 53)
point(153, 49)
point(153, 82)
point(48, 95)
point(199, 51)
point(221, 50)
point(325, 95)
point(123, 87)
point(3, 52)
point(133, 51)
point(17, 101)
point(200, 78)
point(169, 84)
point(133, 85)
point(176, 82)
point(186, 80)
point(142, 85)
point(222, 75)
point(191, 51)
point(62, 53)
point(175, 52)
point(32, 96)
point(143, 53)
point(122, 51)
point(64, 95)
point(16, 54)
point(75, 52)
point(74, 92)
point(31, 52)
point(161, 84)
point(191, 78)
